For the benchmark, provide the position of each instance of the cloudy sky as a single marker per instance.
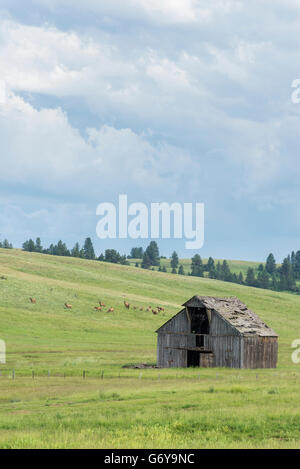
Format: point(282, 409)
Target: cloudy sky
point(163, 100)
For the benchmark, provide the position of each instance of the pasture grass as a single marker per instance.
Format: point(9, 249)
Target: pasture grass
point(123, 407)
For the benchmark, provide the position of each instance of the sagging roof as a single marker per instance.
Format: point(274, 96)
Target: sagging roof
point(235, 313)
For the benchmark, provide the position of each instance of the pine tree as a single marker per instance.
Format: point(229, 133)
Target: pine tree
point(287, 279)
point(197, 266)
point(297, 264)
point(88, 248)
point(29, 246)
point(263, 279)
point(241, 278)
point(226, 273)
point(146, 262)
point(76, 251)
point(174, 261)
point(152, 253)
point(38, 245)
point(270, 264)
point(250, 278)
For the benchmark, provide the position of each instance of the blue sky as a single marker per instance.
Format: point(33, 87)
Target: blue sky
point(163, 100)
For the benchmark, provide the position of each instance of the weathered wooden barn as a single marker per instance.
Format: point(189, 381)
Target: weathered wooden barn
point(216, 332)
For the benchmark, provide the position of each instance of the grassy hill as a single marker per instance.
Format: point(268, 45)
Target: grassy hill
point(236, 266)
point(125, 407)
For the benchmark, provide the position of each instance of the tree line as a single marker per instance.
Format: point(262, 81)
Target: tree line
point(268, 275)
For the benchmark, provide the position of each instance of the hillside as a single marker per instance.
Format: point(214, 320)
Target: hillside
point(236, 266)
point(122, 336)
point(128, 408)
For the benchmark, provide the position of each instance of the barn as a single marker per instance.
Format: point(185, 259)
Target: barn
point(216, 332)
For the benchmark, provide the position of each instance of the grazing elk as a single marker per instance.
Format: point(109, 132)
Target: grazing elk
point(160, 308)
point(126, 304)
point(101, 304)
point(32, 300)
point(110, 310)
point(141, 309)
point(68, 306)
point(154, 311)
point(98, 308)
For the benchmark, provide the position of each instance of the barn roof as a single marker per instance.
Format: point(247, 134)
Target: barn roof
point(235, 313)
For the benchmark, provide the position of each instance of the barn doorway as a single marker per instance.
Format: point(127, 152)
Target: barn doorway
point(193, 358)
point(199, 324)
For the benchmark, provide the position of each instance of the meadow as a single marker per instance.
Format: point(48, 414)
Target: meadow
point(65, 386)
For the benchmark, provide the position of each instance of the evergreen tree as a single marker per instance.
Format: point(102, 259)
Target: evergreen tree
point(136, 253)
point(111, 255)
point(101, 257)
point(226, 273)
point(146, 262)
point(174, 261)
point(88, 248)
point(38, 245)
point(219, 271)
point(263, 279)
point(287, 279)
point(197, 266)
point(181, 270)
point(210, 265)
point(296, 264)
point(76, 251)
point(250, 278)
point(29, 246)
point(164, 269)
point(152, 252)
point(174, 271)
point(270, 264)
point(241, 278)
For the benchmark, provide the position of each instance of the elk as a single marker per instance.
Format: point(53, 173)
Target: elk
point(154, 311)
point(110, 310)
point(141, 309)
point(68, 306)
point(101, 304)
point(160, 308)
point(126, 304)
point(98, 308)
point(32, 300)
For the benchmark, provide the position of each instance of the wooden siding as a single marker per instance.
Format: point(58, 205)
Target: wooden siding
point(259, 352)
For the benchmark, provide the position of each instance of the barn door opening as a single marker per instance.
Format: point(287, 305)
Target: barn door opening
point(199, 324)
point(193, 358)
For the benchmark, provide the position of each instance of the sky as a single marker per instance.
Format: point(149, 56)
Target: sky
point(183, 101)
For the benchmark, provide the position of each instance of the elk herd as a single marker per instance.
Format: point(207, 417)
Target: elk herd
point(155, 310)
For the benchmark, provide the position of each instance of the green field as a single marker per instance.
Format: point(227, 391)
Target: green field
point(116, 407)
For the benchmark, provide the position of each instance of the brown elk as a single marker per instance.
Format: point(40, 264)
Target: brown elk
point(101, 304)
point(154, 311)
point(98, 308)
point(160, 308)
point(110, 310)
point(126, 304)
point(32, 300)
point(141, 309)
point(68, 306)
